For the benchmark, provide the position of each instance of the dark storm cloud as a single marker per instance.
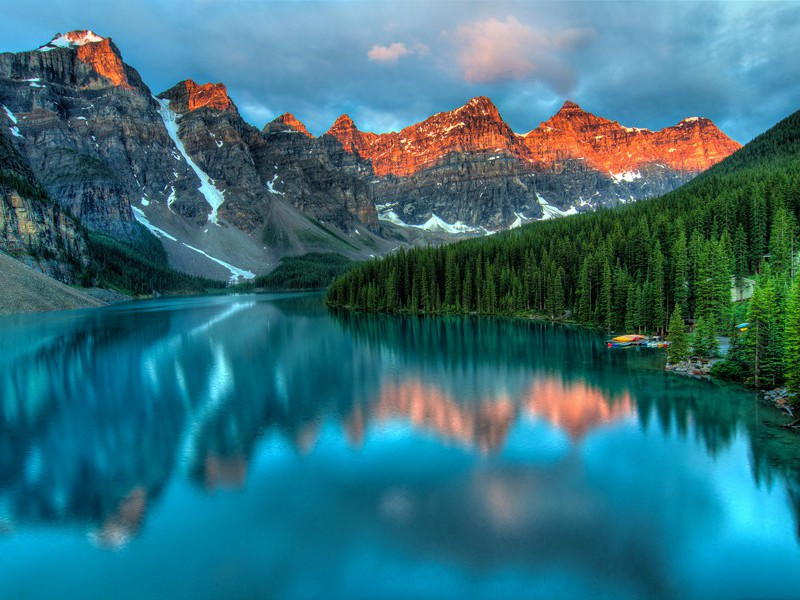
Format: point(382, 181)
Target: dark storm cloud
point(389, 64)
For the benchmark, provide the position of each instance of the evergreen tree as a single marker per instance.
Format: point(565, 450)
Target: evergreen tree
point(762, 344)
point(584, 293)
point(792, 340)
point(680, 270)
point(704, 338)
point(781, 245)
point(632, 308)
point(721, 278)
point(678, 349)
point(606, 316)
point(758, 231)
point(740, 255)
point(657, 302)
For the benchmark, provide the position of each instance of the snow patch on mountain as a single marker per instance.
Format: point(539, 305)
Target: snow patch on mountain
point(435, 223)
point(71, 40)
point(628, 176)
point(271, 186)
point(236, 273)
point(553, 212)
point(13, 129)
point(519, 221)
point(213, 196)
point(139, 215)
point(172, 197)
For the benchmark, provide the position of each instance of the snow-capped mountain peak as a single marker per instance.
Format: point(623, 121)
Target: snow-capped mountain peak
point(72, 39)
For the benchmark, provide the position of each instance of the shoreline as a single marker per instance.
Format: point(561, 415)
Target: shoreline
point(704, 373)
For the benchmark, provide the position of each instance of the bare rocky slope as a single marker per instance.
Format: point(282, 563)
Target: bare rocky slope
point(23, 289)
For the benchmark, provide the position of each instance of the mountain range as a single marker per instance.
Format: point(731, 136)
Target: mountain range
point(87, 147)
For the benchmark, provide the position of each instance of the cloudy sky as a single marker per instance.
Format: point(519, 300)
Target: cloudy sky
point(389, 64)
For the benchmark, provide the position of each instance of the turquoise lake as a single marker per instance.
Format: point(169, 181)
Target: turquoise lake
point(260, 446)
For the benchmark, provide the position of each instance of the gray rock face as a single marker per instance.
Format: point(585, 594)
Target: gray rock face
point(218, 140)
point(93, 135)
point(33, 228)
point(489, 193)
point(322, 181)
point(254, 168)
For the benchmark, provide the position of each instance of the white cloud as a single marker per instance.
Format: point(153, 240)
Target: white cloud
point(388, 54)
point(494, 50)
point(392, 53)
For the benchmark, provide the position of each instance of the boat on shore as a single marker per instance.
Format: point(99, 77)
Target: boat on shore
point(626, 341)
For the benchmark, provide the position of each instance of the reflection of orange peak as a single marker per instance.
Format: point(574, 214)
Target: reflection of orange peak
point(483, 425)
point(576, 408)
point(224, 471)
point(125, 522)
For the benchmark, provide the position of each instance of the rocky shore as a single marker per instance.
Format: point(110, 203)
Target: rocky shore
point(693, 367)
point(785, 400)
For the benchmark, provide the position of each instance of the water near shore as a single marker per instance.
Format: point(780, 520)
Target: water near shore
point(262, 447)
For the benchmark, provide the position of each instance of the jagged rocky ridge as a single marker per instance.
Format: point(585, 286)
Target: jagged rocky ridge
point(228, 200)
point(467, 166)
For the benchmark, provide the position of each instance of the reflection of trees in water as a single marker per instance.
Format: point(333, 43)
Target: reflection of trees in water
point(94, 417)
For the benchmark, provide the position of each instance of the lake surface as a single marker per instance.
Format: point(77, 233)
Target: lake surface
point(262, 447)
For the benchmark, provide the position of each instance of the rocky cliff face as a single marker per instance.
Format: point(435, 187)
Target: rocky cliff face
point(254, 169)
point(315, 178)
point(185, 165)
point(467, 168)
point(33, 228)
point(691, 146)
point(474, 128)
point(92, 133)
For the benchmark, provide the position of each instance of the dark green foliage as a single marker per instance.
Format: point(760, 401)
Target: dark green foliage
point(310, 271)
point(734, 366)
point(679, 340)
point(140, 268)
point(704, 338)
point(729, 369)
point(763, 348)
point(792, 339)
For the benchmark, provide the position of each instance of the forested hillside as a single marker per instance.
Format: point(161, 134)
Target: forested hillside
point(624, 269)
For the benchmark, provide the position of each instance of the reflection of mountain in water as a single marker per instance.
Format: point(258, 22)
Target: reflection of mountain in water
point(98, 409)
point(482, 424)
point(577, 408)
